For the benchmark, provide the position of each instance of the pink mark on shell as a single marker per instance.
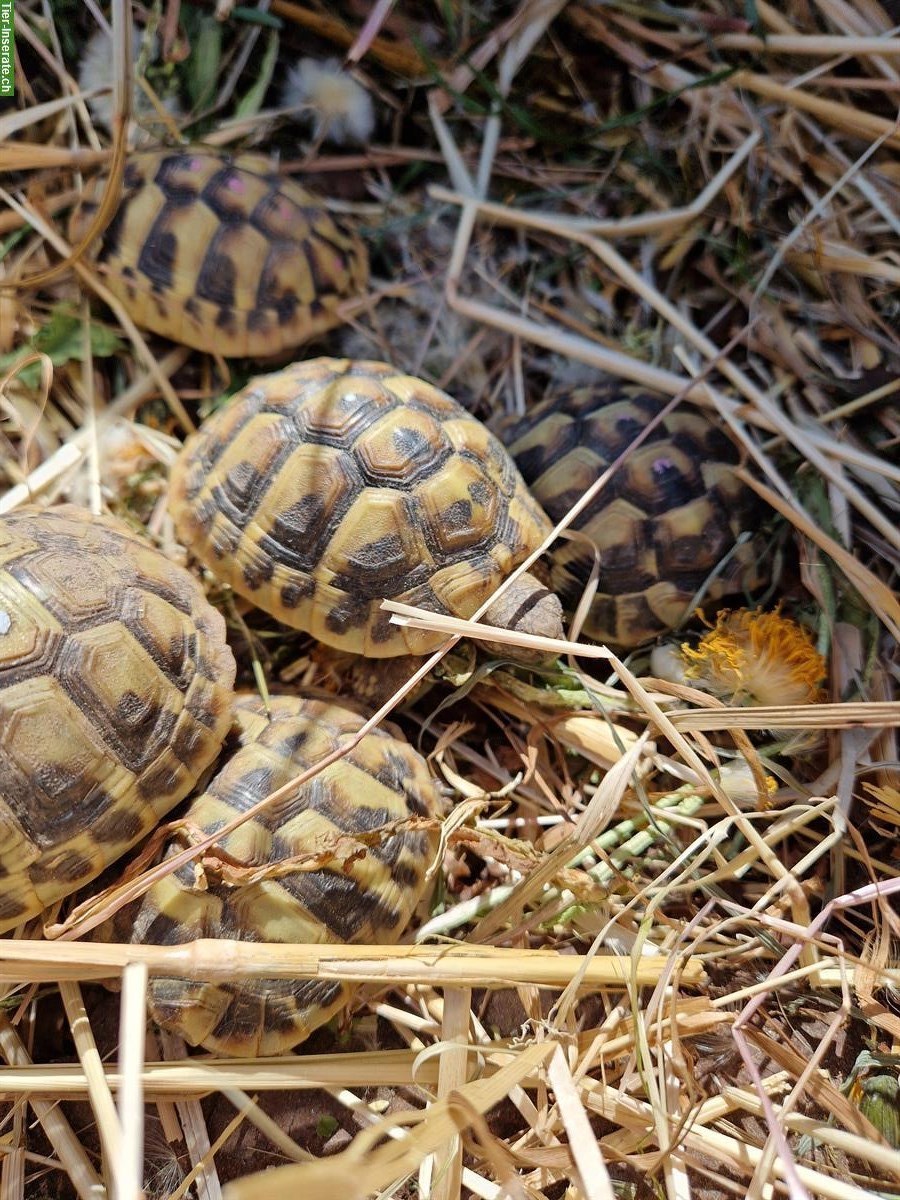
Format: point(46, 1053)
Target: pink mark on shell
point(236, 185)
point(195, 164)
point(661, 465)
point(284, 210)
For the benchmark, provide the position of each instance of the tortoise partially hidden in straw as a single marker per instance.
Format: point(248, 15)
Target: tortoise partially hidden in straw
point(222, 254)
point(672, 523)
point(344, 859)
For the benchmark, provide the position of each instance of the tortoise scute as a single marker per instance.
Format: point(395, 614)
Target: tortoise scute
point(222, 254)
point(334, 484)
point(115, 683)
point(364, 891)
point(666, 524)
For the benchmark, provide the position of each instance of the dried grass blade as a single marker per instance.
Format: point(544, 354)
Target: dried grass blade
point(99, 1094)
point(358, 1172)
point(212, 959)
point(71, 1153)
point(454, 1065)
point(133, 1022)
point(877, 594)
point(876, 714)
point(595, 1178)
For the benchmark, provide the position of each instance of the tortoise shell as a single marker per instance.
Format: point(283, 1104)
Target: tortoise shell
point(222, 255)
point(115, 695)
point(332, 484)
point(359, 890)
point(667, 525)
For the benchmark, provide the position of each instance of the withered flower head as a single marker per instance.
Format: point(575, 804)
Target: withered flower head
point(757, 658)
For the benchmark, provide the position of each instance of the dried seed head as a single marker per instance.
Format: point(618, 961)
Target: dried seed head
point(757, 658)
point(339, 107)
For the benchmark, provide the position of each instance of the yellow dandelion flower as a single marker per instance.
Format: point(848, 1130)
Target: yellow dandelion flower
point(757, 658)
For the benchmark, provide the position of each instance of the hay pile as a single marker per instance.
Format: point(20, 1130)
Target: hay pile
point(686, 893)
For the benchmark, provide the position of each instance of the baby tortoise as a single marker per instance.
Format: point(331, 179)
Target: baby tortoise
point(673, 518)
point(115, 696)
point(369, 822)
point(223, 255)
point(328, 486)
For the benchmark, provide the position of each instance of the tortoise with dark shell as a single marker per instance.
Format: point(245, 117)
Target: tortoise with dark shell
point(222, 254)
point(673, 522)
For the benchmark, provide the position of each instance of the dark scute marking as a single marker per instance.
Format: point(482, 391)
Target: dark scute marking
point(257, 573)
point(349, 615)
point(160, 782)
point(131, 177)
point(217, 278)
point(243, 791)
point(242, 1018)
point(152, 927)
point(132, 708)
point(181, 193)
point(323, 284)
point(406, 876)
point(204, 513)
point(310, 992)
point(112, 236)
point(390, 851)
point(242, 482)
point(10, 907)
point(176, 659)
point(158, 254)
point(257, 320)
point(286, 308)
point(68, 867)
point(218, 197)
point(225, 320)
point(412, 443)
point(533, 462)
point(290, 743)
point(672, 487)
point(129, 273)
point(191, 307)
point(186, 742)
point(342, 906)
point(380, 628)
point(628, 427)
point(294, 592)
point(379, 568)
point(457, 515)
point(300, 524)
point(480, 492)
point(117, 826)
point(352, 818)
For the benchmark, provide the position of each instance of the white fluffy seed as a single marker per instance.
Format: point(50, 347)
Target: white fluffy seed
point(338, 107)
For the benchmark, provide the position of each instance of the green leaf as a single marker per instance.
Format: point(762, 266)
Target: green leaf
point(61, 339)
point(253, 16)
point(204, 62)
point(252, 101)
point(326, 1126)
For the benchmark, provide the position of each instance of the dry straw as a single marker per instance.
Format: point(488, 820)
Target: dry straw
point(662, 907)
